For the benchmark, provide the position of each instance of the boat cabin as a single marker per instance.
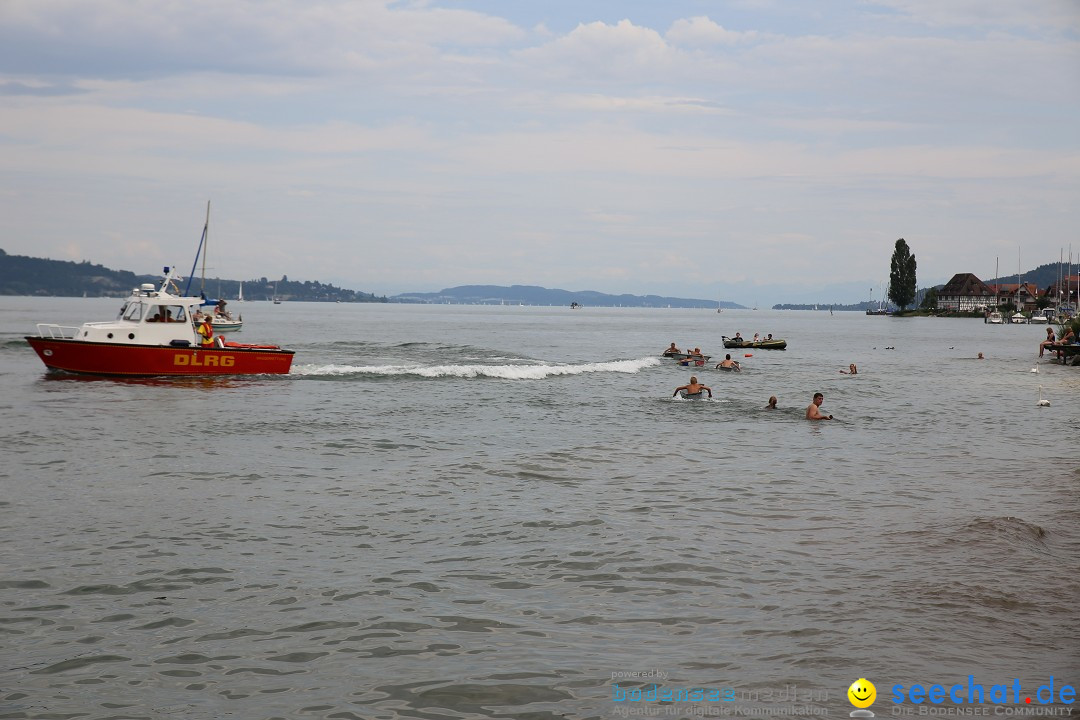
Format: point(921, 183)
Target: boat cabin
point(149, 316)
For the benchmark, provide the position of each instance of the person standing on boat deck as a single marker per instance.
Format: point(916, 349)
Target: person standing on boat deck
point(772, 403)
point(219, 309)
point(1050, 340)
point(206, 333)
point(692, 388)
point(813, 411)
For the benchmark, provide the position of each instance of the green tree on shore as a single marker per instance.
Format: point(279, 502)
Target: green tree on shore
point(902, 276)
point(929, 301)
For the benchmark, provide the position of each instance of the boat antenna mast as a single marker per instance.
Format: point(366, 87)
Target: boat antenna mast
point(198, 253)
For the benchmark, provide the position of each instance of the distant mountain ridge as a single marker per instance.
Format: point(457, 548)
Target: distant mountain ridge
point(535, 295)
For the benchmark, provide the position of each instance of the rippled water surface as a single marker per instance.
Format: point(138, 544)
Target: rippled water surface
point(500, 512)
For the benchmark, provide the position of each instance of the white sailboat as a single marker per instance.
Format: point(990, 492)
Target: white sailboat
point(240, 296)
point(221, 320)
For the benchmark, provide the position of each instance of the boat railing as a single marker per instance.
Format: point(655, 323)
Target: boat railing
point(57, 332)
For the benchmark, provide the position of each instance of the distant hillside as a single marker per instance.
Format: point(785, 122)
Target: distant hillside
point(21, 275)
point(534, 295)
point(1042, 276)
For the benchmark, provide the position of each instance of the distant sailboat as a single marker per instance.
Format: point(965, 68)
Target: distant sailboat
point(240, 297)
point(277, 300)
point(718, 308)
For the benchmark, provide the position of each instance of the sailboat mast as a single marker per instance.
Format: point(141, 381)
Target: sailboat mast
point(206, 243)
point(198, 253)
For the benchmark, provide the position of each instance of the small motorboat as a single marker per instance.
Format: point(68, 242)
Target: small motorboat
point(153, 334)
point(223, 323)
point(768, 344)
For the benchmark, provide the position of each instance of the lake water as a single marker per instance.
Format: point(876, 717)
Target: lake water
point(500, 512)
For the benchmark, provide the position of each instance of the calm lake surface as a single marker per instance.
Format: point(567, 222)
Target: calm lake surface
point(500, 512)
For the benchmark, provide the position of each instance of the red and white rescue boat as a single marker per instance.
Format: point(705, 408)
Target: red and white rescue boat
point(154, 334)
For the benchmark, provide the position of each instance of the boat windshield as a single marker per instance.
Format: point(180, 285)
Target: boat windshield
point(167, 313)
point(133, 311)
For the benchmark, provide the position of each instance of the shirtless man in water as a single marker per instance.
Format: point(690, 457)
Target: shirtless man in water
point(693, 388)
point(813, 411)
point(727, 362)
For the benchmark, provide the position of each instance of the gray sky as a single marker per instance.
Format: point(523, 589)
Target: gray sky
point(760, 151)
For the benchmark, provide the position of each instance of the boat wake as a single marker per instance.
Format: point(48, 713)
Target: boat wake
point(537, 371)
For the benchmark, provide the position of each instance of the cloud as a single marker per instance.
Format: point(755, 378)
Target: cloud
point(622, 51)
point(117, 38)
point(37, 89)
point(701, 32)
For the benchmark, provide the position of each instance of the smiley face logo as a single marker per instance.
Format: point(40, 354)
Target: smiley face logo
point(862, 693)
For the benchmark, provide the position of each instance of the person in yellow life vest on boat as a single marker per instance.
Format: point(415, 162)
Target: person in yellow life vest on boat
point(206, 333)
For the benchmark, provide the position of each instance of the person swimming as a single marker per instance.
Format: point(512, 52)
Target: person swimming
point(692, 389)
point(728, 364)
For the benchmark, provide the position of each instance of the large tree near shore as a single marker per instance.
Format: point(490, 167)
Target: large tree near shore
point(902, 276)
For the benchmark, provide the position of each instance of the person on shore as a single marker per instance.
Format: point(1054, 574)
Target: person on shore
point(672, 351)
point(813, 410)
point(851, 370)
point(1050, 340)
point(728, 364)
point(772, 403)
point(692, 388)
